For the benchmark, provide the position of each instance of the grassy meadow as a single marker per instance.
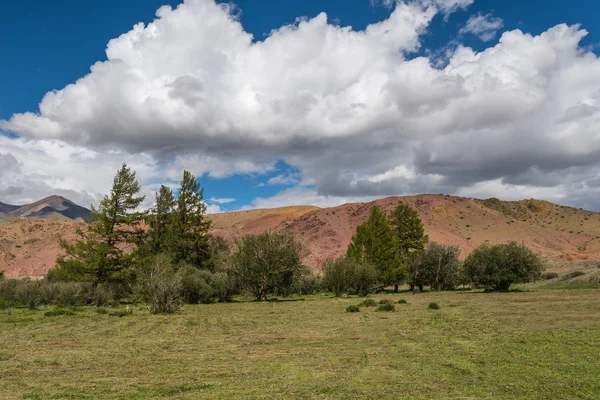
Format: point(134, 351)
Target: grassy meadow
point(542, 344)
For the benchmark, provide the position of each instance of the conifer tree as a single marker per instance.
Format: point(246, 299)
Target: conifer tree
point(188, 238)
point(374, 243)
point(159, 221)
point(99, 254)
point(409, 233)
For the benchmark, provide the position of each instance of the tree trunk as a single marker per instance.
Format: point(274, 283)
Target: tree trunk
point(396, 288)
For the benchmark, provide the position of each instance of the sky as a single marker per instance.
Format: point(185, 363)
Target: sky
point(292, 102)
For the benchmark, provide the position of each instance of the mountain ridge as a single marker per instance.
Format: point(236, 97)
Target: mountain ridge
point(49, 207)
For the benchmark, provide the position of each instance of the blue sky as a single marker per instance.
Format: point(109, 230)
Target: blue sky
point(48, 45)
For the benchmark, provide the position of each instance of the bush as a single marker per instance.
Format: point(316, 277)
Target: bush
point(29, 293)
point(223, 286)
point(549, 275)
point(437, 266)
point(573, 274)
point(402, 301)
point(194, 285)
point(345, 274)
point(267, 263)
point(368, 303)
point(385, 301)
point(159, 285)
point(386, 307)
point(352, 309)
point(433, 306)
point(102, 295)
point(499, 266)
point(308, 283)
point(70, 294)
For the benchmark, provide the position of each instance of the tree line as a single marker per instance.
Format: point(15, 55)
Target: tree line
point(167, 256)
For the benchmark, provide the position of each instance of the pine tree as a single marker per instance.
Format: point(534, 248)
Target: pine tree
point(188, 233)
point(409, 234)
point(374, 243)
point(99, 255)
point(159, 221)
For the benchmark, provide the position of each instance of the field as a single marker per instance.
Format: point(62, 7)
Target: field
point(538, 344)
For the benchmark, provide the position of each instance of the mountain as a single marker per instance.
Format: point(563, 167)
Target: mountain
point(560, 234)
point(49, 207)
point(6, 208)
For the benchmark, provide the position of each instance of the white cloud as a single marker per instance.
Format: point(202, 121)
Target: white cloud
point(482, 26)
point(347, 109)
point(221, 200)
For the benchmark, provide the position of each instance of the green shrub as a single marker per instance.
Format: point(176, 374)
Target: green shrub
point(438, 266)
point(102, 295)
point(573, 274)
point(345, 274)
point(159, 285)
point(223, 286)
point(368, 303)
point(499, 266)
point(386, 301)
point(308, 283)
point(386, 307)
point(433, 306)
point(194, 285)
point(7, 303)
point(71, 294)
point(549, 275)
point(402, 301)
point(29, 293)
point(352, 309)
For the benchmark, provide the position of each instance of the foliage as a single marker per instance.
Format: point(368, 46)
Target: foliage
point(308, 283)
point(98, 255)
point(437, 266)
point(194, 285)
point(352, 309)
point(347, 274)
point(374, 243)
point(402, 301)
point(497, 267)
point(433, 306)
point(386, 307)
point(549, 275)
point(159, 285)
point(188, 238)
point(368, 303)
point(159, 221)
point(265, 263)
point(573, 274)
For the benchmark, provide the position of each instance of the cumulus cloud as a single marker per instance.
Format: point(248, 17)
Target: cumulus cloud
point(355, 112)
point(482, 26)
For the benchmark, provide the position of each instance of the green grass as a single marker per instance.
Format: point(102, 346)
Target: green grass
point(520, 345)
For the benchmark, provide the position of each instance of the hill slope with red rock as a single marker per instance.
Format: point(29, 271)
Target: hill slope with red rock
point(559, 233)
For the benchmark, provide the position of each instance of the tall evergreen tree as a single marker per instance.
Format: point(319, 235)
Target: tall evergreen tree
point(374, 243)
point(188, 234)
point(99, 254)
point(159, 221)
point(409, 233)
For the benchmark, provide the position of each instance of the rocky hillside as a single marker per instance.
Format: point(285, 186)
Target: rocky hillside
point(561, 234)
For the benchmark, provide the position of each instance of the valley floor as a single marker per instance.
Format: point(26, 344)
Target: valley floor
point(531, 345)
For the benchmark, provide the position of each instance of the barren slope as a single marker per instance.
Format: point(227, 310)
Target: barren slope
point(560, 234)
point(50, 207)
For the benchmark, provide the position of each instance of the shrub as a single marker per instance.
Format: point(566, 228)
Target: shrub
point(368, 303)
point(345, 274)
point(28, 293)
point(70, 294)
point(267, 263)
point(308, 283)
point(499, 266)
point(437, 266)
point(549, 275)
point(101, 295)
point(386, 307)
point(159, 285)
point(573, 274)
point(385, 301)
point(402, 301)
point(352, 309)
point(223, 286)
point(194, 285)
point(433, 306)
